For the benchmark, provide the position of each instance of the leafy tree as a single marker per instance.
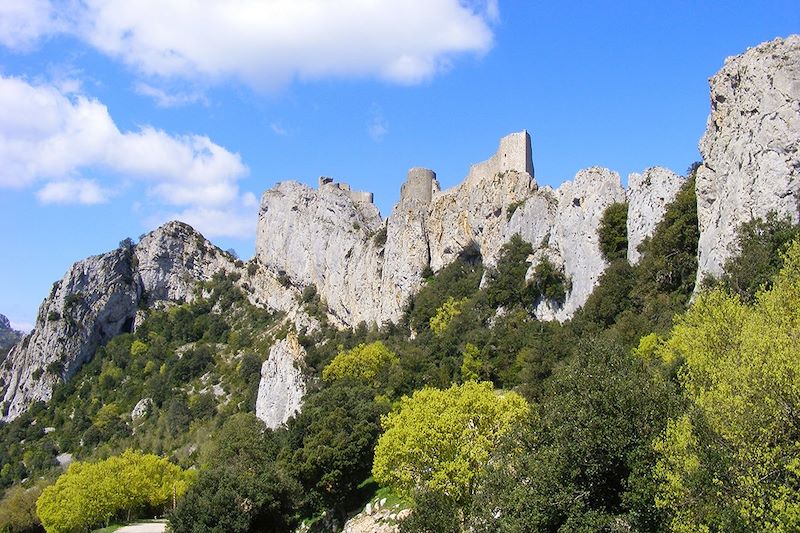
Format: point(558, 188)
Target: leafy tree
point(439, 440)
point(457, 280)
point(449, 310)
point(18, 509)
point(732, 462)
point(433, 512)
point(243, 488)
point(507, 285)
point(583, 461)
point(472, 366)
point(331, 443)
point(91, 494)
point(760, 245)
point(366, 362)
point(548, 282)
point(613, 232)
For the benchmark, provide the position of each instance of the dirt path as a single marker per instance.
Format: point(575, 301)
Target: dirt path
point(144, 527)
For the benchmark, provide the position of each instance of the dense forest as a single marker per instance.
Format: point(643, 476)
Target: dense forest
point(650, 410)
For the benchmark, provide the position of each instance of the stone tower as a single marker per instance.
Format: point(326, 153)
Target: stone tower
point(420, 185)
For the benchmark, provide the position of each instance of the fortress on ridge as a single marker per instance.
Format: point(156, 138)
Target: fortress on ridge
point(514, 154)
point(356, 196)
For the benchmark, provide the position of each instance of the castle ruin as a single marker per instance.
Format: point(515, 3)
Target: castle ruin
point(356, 196)
point(513, 155)
point(420, 185)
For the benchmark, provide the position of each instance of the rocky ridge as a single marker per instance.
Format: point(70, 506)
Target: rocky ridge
point(100, 297)
point(366, 268)
point(751, 147)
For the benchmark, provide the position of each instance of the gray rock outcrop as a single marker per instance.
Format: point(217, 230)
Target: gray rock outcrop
point(562, 226)
point(97, 299)
point(324, 238)
point(282, 385)
point(142, 408)
point(751, 147)
point(649, 194)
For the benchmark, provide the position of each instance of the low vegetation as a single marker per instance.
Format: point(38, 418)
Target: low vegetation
point(642, 413)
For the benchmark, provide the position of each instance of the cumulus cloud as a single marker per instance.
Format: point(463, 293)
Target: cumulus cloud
point(268, 43)
point(52, 138)
point(23, 23)
point(46, 135)
point(236, 220)
point(77, 191)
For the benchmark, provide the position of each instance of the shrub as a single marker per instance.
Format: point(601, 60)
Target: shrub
point(613, 232)
point(365, 362)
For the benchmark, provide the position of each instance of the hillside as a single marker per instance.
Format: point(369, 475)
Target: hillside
point(495, 331)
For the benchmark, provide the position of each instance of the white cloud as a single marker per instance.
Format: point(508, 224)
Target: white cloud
point(46, 135)
point(78, 191)
point(23, 22)
point(165, 99)
point(268, 43)
point(236, 220)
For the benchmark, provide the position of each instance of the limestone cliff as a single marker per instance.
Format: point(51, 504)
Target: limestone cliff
point(562, 226)
point(751, 147)
point(323, 237)
point(649, 194)
point(366, 268)
point(98, 298)
point(282, 385)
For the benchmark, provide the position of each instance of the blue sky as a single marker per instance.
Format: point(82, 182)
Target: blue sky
point(117, 115)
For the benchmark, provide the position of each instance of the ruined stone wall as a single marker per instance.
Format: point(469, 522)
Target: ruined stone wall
point(419, 185)
point(514, 154)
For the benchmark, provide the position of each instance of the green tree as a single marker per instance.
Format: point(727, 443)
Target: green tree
point(91, 494)
point(439, 440)
point(366, 362)
point(331, 444)
point(583, 463)
point(18, 509)
point(507, 285)
point(732, 462)
point(449, 310)
point(242, 488)
point(613, 232)
point(760, 245)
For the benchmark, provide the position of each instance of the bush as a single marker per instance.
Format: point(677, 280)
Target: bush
point(760, 245)
point(613, 232)
point(549, 283)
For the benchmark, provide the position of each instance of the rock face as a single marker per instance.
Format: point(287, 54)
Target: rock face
point(282, 385)
point(325, 238)
point(649, 194)
point(562, 226)
point(97, 299)
point(366, 268)
point(751, 162)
